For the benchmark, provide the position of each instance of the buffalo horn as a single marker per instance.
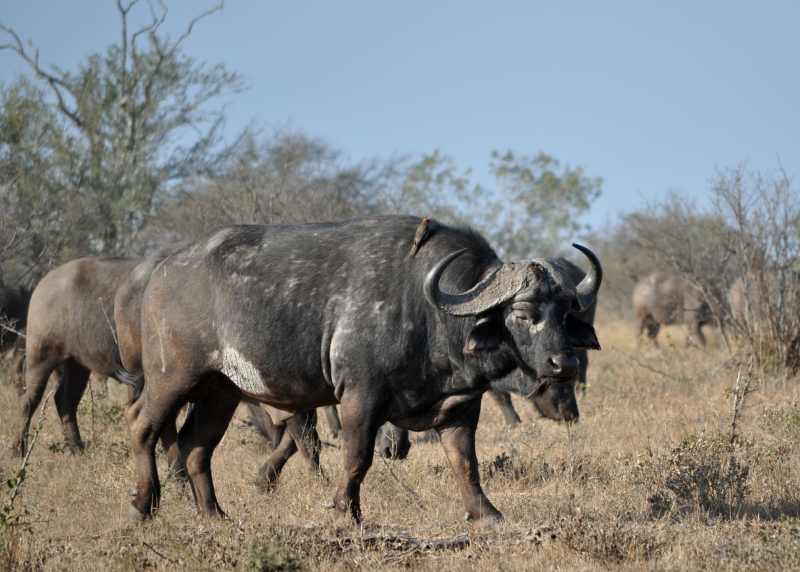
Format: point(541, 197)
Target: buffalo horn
point(500, 286)
point(590, 285)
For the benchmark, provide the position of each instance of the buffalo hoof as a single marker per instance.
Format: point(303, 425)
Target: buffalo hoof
point(266, 485)
point(486, 521)
point(136, 516)
point(74, 448)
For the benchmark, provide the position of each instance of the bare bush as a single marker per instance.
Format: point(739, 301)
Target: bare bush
point(742, 254)
point(285, 178)
point(764, 216)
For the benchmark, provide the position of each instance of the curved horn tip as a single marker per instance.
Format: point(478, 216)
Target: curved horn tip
point(589, 287)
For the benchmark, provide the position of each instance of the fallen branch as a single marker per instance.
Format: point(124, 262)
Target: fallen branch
point(403, 541)
point(159, 554)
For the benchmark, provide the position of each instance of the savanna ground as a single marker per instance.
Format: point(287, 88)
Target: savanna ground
point(647, 480)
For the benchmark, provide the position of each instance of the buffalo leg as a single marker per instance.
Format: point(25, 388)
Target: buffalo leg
point(300, 434)
point(303, 429)
point(157, 409)
point(18, 370)
point(261, 422)
point(169, 441)
point(169, 437)
point(332, 418)
point(36, 375)
point(649, 326)
point(200, 435)
point(583, 367)
point(458, 440)
point(503, 401)
point(696, 333)
point(272, 467)
point(359, 429)
point(393, 442)
point(67, 397)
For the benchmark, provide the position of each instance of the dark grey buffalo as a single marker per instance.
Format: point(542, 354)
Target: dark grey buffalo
point(305, 316)
point(74, 329)
point(394, 443)
point(13, 317)
point(663, 299)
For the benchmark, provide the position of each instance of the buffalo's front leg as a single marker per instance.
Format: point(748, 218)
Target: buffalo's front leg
point(458, 440)
point(359, 429)
point(503, 401)
point(393, 442)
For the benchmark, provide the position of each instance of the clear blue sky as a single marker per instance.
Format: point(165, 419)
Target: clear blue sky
point(650, 96)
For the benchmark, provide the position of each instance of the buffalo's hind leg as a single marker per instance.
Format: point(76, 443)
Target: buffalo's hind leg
point(360, 424)
point(151, 412)
point(458, 440)
point(169, 436)
point(200, 435)
point(299, 433)
point(272, 467)
point(303, 429)
point(648, 325)
point(169, 441)
point(334, 423)
point(68, 397)
point(37, 373)
point(696, 335)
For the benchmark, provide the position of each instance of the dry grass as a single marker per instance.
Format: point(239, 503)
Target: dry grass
point(648, 480)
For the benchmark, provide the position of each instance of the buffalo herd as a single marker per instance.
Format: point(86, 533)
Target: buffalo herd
point(402, 323)
point(402, 330)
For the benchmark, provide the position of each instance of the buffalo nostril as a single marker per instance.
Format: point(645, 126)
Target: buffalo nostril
point(554, 364)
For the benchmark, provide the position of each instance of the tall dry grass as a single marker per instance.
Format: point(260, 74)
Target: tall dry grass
point(647, 480)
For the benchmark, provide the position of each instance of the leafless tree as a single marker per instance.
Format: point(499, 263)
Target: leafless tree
point(88, 151)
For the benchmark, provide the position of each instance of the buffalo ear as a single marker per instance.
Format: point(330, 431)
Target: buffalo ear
point(485, 336)
point(581, 335)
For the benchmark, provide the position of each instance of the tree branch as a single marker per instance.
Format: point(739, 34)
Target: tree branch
point(55, 83)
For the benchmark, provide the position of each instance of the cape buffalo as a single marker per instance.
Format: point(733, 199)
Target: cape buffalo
point(297, 432)
point(72, 331)
point(13, 317)
point(394, 443)
point(666, 299)
point(305, 316)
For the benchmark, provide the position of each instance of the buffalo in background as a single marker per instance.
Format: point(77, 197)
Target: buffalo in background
point(72, 331)
point(13, 320)
point(663, 299)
